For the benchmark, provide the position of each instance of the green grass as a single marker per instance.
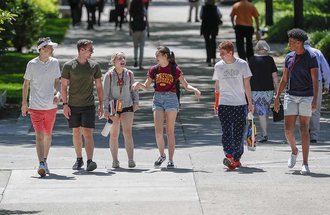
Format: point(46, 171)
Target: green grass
point(13, 64)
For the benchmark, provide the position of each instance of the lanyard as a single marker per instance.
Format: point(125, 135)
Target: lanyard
point(120, 82)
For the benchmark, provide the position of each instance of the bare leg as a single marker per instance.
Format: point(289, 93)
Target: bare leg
point(89, 142)
point(170, 123)
point(127, 123)
point(290, 124)
point(263, 124)
point(305, 140)
point(40, 145)
point(159, 130)
point(114, 134)
point(77, 141)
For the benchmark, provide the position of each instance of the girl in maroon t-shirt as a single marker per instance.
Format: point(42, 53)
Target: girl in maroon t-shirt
point(165, 101)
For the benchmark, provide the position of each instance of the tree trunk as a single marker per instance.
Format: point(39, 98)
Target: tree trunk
point(269, 12)
point(298, 13)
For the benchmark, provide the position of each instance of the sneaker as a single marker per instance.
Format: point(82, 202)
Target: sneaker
point(46, 168)
point(91, 166)
point(42, 170)
point(313, 141)
point(229, 162)
point(78, 164)
point(115, 164)
point(131, 164)
point(304, 170)
point(160, 160)
point(238, 164)
point(293, 159)
point(263, 139)
point(170, 165)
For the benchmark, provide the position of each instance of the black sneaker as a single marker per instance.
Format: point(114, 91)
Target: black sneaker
point(78, 164)
point(160, 160)
point(91, 166)
point(170, 165)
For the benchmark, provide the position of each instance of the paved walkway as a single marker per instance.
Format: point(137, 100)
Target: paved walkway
point(199, 185)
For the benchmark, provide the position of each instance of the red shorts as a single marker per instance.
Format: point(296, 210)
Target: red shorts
point(43, 120)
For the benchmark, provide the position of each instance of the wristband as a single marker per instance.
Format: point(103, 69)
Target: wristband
point(65, 103)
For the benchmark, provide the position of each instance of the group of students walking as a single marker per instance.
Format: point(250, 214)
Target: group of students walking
point(119, 99)
point(75, 86)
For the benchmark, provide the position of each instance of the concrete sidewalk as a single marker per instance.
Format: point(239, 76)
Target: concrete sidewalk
point(198, 185)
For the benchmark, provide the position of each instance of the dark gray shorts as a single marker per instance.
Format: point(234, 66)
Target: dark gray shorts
point(82, 117)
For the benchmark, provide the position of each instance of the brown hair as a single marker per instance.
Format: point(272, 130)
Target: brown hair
point(83, 43)
point(114, 56)
point(164, 50)
point(227, 45)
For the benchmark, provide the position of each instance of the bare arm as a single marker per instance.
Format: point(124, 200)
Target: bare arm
point(188, 87)
point(25, 91)
point(247, 88)
point(64, 91)
point(283, 83)
point(99, 90)
point(275, 80)
point(57, 86)
point(145, 86)
point(315, 79)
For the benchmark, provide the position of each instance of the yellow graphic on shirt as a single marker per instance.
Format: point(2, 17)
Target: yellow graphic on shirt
point(164, 78)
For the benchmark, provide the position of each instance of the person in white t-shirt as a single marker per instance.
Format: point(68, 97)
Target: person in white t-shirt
point(232, 78)
point(42, 75)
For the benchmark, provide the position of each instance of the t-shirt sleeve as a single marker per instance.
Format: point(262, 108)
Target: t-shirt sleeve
point(286, 62)
point(57, 70)
point(215, 74)
point(246, 71)
point(313, 63)
point(66, 71)
point(273, 65)
point(150, 73)
point(28, 72)
point(98, 73)
point(178, 72)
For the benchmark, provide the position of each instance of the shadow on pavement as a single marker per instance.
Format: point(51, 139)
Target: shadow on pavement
point(313, 175)
point(8, 212)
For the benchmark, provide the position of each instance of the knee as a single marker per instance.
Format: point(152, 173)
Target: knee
point(304, 128)
point(76, 132)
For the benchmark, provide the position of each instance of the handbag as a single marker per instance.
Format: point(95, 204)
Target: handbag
point(278, 116)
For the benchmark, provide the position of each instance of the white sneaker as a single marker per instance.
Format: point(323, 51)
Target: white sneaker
point(46, 168)
point(293, 159)
point(304, 170)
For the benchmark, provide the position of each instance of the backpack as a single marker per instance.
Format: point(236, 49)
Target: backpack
point(155, 70)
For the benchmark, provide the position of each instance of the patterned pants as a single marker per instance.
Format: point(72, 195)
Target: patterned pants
point(233, 122)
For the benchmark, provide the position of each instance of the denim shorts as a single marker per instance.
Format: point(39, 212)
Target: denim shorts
point(297, 105)
point(165, 101)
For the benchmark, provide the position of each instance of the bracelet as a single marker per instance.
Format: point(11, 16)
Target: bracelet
point(65, 103)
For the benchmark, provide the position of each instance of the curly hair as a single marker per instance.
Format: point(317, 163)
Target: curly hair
point(298, 34)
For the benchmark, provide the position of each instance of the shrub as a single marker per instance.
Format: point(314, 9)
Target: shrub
point(324, 46)
point(28, 24)
point(48, 7)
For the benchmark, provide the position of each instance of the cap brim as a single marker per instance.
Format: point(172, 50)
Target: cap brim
point(52, 44)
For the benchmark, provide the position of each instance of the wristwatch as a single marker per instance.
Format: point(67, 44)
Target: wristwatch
point(65, 103)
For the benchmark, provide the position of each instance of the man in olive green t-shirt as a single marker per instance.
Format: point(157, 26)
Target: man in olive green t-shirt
point(79, 76)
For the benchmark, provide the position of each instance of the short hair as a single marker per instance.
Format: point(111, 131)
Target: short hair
point(262, 45)
point(226, 45)
point(114, 56)
point(298, 34)
point(83, 43)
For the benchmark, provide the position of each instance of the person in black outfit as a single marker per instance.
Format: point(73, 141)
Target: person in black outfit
point(75, 7)
point(210, 16)
point(91, 9)
point(120, 6)
point(263, 83)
